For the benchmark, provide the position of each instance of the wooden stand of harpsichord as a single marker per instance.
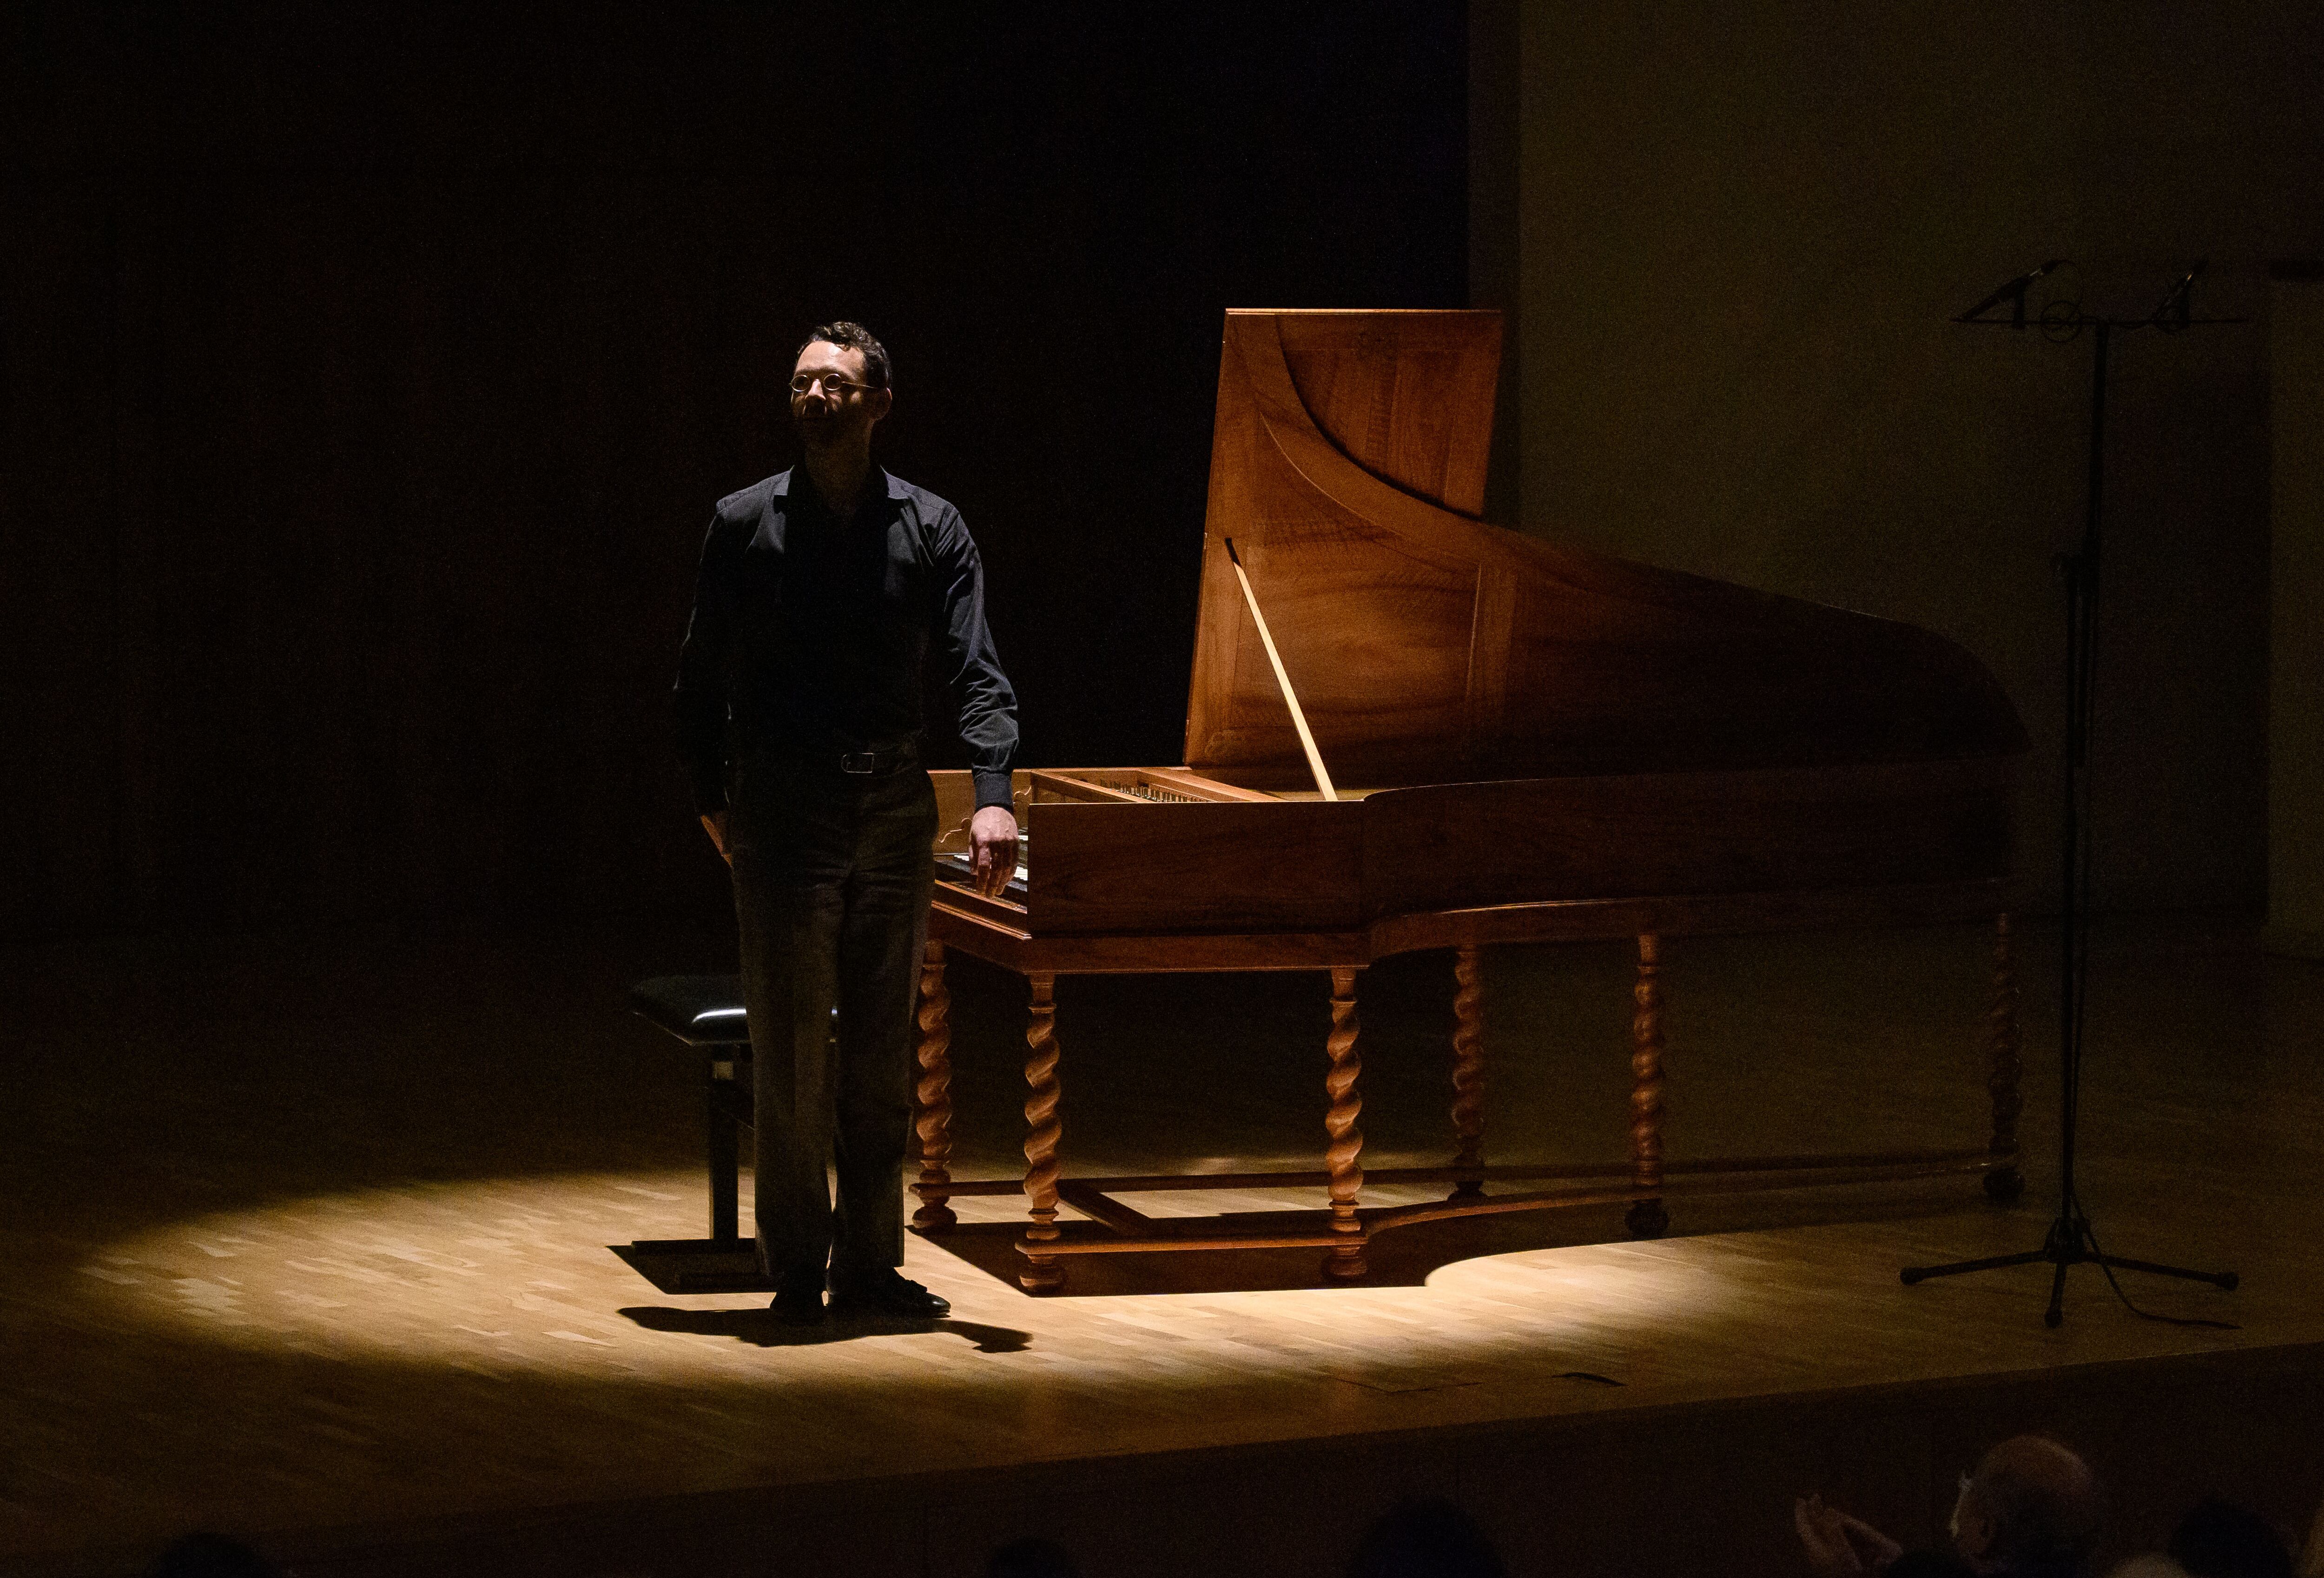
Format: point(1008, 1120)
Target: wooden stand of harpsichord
point(1552, 744)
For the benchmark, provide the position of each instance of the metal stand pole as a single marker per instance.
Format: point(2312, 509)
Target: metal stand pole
point(2068, 1243)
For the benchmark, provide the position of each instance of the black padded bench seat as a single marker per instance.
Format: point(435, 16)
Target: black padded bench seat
point(701, 1010)
point(706, 1012)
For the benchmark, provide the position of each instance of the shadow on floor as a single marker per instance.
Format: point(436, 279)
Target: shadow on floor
point(760, 1329)
point(1409, 1256)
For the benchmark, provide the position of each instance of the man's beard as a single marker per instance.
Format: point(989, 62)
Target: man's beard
point(820, 432)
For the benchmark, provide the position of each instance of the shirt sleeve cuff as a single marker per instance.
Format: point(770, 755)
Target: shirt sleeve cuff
point(992, 789)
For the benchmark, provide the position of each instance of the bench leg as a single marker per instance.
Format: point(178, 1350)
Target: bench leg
point(726, 1149)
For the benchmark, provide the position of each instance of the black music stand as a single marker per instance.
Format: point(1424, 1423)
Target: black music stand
point(2070, 1242)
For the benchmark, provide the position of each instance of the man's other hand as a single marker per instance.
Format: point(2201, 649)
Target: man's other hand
point(992, 843)
point(1838, 1546)
point(714, 824)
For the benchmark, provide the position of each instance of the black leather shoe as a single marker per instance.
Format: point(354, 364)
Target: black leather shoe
point(886, 1292)
point(799, 1299)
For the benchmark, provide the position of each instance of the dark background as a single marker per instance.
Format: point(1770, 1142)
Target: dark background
point(369, 377)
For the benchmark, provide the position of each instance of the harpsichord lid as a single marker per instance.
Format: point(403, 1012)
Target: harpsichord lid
point(1348, 463)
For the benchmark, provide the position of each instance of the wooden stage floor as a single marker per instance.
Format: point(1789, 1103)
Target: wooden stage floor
point(307, 1239)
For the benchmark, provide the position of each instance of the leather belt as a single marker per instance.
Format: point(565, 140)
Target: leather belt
point(863, 763)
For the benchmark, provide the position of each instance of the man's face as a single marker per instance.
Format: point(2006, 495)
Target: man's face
point(834, 407)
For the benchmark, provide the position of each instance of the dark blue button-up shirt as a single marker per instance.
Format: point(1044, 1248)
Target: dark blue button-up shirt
point(809, 631)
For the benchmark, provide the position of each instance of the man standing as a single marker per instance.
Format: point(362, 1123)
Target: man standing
point(798, 710)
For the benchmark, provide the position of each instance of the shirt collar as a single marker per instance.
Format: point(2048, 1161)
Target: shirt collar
point(885, 485)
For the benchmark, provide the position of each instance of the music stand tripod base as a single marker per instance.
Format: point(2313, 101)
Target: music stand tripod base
point(2069, 1244)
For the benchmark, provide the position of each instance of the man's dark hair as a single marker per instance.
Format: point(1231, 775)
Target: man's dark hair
point(2219, 1539)
point(852, 337)
point(1426, 1538)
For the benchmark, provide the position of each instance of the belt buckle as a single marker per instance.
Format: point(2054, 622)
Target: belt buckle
point(859, 761)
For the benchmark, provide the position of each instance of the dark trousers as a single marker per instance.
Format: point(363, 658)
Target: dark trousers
point(832, 879)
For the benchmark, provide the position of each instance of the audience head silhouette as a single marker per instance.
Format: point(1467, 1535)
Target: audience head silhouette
point(1030, 1558)
point(211, 1555)
point(2032, 1511)
point(1428, 1538)
point(2221, 1540)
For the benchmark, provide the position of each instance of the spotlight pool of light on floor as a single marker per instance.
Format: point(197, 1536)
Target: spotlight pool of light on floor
point(513, 1274)
point(436, 1347)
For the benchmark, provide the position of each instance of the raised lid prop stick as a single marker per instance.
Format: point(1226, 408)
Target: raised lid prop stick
point(1299, 718)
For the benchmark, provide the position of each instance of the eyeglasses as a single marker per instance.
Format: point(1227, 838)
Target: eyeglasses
point(804, 383)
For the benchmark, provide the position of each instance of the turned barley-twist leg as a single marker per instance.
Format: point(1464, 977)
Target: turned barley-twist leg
point(1468, 1069)
point(2004, 1067)
point(934, 1123)
point(1346, 1257)
point(1043, 1273)
point(1647, 1218)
